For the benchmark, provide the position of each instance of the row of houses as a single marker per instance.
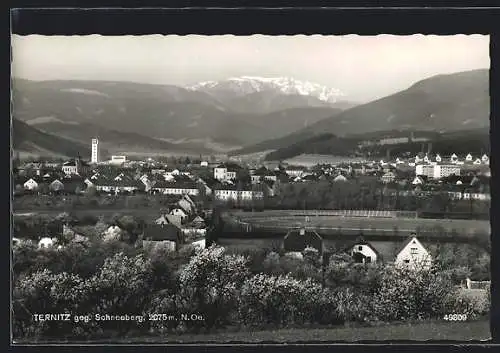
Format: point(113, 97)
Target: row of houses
point(410, 252)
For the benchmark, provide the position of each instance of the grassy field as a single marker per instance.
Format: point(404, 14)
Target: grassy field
point(427, 331)
point(288, 219)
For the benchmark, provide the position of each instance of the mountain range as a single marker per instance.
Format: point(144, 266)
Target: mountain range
point(238, 115)
point(188, 118)
point(443, 103)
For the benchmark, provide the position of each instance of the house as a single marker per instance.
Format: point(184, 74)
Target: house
point(56, 186)
point(166, 235)
point(177, 211)
point(296, 240)
point(199, 222)
point(413, 255)
point(206, 185)
point(186, 206)
point(117, 185)
point(190, 200)
point(31, 184)
point(453, 158)
point(388, 177)
point(169, 219)
point(176, 188)
point(438, 158)
point(148, 184)
point(295, 171)
point(468, 158)
point(237, 193)
point(478, 161)
point(363, 252)
point(46, 243)
point(485, 159)
point(75, 166)
point(418, 180)
point(226, 171)
point(340, 178)
point(204, 164)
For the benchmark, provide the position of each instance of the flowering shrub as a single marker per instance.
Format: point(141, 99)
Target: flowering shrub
point(47, 293)
point(283, 300)
point(209, 285)
point(473, 302)
point(407, 294)
point(312, 256)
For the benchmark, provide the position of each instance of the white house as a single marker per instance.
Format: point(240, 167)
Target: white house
point(417, 181)
point(177, 211)
point(118, 160)
point(169, 219)
point(468, 158)
point(454, 158)
point(294, 171)
point(204, 164)
point(388, 177)
point(220, 172)
point(340, 178)
point(478, 161)
point(56, 185)
point(437, 171)
point(426, 159)
point(231, 193)
point(363, 252)
point(413, 255)
point(485, 159)
point(438, 158)
point(46, 243)
point(30, 184)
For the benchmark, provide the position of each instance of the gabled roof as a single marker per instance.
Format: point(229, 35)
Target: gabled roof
point(161, 232)
point(405, 243)
point(299, 239)
point(169, 219)
point(352, 244)
point(187, 185)
point(230, 166)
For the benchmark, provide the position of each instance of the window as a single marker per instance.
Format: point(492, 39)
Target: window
point(368, 259)
point(406, 261)
point(360, 248)
point(414, 251)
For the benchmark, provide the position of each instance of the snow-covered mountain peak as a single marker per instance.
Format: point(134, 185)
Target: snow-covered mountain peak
point(286, 85)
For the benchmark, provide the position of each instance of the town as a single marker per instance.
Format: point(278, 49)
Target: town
point(443, 187)
point(251, 198)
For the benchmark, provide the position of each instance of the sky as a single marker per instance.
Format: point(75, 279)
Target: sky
point(364, 68)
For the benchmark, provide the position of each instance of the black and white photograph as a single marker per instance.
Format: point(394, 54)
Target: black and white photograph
point(261, 188)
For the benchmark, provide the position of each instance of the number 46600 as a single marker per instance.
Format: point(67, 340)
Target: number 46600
point(455, 317)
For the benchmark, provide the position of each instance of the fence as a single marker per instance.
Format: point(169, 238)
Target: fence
point(358, 213)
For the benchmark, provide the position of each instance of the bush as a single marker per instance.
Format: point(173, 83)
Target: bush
point(209, 286)
point(473, 302)
point(283, 300)
point(120, 287)
point(47, 293)
point(411, 295)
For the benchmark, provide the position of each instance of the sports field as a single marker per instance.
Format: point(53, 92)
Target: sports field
point(278, 219)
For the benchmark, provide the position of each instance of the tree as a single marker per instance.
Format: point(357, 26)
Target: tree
point(121, 286)
point(209, 282)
